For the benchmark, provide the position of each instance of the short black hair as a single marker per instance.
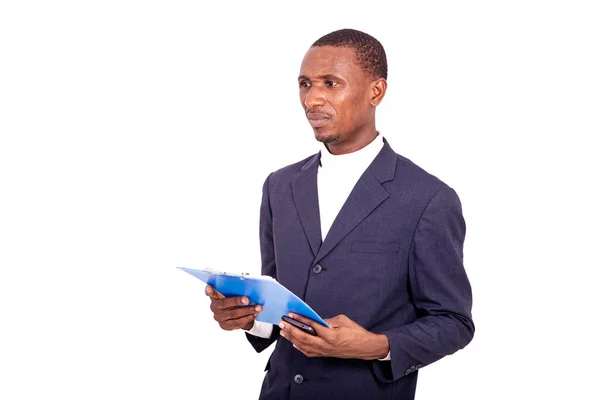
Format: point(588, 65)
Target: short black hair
point(369, 52)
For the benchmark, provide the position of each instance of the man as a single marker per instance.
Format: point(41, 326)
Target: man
point(369, 240)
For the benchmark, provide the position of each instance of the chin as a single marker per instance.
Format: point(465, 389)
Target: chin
point(326, 138)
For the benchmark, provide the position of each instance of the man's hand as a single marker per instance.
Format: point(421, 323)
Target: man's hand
point(232, 312)
point(345, 339)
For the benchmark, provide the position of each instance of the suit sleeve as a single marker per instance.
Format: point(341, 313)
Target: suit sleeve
point(267, 253)
point(440, 291)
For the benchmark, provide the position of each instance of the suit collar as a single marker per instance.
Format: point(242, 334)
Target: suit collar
point(383, 166)
point(367, 194)
point(304, 192)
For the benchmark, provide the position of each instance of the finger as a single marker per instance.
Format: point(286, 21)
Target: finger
point(297, 335)
point(228, 303)
point(306, 352)
point(231, 302)
point(235, 313)
point(233, 324)
point(300, 318)
point(212, 293)
point(319, 329)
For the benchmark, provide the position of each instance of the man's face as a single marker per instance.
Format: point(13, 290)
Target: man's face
point(336, 94)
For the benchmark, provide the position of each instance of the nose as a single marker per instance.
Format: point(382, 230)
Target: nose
point(313, 98)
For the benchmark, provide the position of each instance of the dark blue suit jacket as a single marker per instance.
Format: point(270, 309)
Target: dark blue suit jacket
point(392, 262)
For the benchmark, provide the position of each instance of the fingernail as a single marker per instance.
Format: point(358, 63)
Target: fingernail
point(258, 308)
point(244, 300)
point(281, 325)
point(291, 315)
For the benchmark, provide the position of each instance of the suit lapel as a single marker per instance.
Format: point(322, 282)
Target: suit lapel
point(304, 192)
point(367, 195)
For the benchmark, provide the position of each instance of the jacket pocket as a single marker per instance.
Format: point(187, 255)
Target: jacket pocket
point(375, 247)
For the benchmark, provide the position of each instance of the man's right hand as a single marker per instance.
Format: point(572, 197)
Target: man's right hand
point(232, 312)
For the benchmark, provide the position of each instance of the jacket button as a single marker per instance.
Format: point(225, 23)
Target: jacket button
point(298, 379)
point(419, 366)
point(407, 372)
point(317, 269)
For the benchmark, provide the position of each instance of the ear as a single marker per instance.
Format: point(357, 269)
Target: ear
point(378, 88)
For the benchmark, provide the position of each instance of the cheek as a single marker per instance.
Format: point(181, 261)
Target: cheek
point(345, 108)
point(360, 108)
point(352, 113)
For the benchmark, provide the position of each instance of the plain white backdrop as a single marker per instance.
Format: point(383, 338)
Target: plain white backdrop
point(135, 137)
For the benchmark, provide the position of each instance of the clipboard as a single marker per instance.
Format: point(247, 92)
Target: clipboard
point(263, 290)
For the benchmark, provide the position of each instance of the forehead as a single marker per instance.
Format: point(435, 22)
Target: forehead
point(329, 60)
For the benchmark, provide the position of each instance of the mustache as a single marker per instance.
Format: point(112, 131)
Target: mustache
point(317, 112)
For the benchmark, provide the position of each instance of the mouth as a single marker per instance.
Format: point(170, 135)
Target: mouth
point(317, 120)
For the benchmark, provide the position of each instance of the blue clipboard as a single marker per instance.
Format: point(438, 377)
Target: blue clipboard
point(275, 299)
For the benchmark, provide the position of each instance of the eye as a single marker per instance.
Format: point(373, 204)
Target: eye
point(330, 83)
point(304, 84)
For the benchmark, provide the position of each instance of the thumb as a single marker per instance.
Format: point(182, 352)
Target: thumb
point(212, 293)
point(332, 322)
point(338, 321)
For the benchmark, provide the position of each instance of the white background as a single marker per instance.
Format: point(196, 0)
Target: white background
point(136, 135)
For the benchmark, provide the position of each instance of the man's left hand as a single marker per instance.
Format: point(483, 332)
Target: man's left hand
point(345, 339)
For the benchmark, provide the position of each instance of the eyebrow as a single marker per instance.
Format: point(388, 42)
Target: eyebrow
point(322, 77)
